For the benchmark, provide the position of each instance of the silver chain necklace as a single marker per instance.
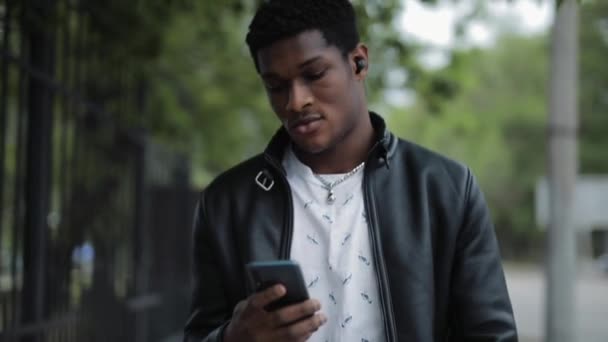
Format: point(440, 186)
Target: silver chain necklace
point(329, 186)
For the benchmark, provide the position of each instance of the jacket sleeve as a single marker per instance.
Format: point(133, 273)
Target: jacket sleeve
point(481, 306)
point(209, 312)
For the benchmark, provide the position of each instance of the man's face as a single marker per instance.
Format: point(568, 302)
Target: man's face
point(313, 90)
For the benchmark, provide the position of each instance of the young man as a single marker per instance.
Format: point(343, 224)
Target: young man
point(395, 241)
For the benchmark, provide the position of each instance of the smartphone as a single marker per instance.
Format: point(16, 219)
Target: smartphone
point(264, 274)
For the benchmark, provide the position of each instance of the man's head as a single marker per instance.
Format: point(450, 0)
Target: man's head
point(279, 19)
point(309, 57)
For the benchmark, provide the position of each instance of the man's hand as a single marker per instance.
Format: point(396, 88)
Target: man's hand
point(250, 322)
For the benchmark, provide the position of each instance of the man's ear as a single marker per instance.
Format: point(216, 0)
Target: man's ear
point(359, 61)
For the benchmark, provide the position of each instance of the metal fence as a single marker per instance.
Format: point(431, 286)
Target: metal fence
point(94, 217)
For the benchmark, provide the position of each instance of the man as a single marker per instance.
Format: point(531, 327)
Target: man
point(395, 241)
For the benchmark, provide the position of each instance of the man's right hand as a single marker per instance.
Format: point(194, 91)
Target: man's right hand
point(251, 322)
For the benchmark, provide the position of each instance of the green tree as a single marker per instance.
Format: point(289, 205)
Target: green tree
point(496, 122)
point(205, 97)
point(593, 98)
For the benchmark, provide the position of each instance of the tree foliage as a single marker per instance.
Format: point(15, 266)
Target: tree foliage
point(496, 123)
point(204, 94)
point(593, 99)
point(486, 108)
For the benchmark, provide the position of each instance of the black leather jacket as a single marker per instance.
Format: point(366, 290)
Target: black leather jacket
point(437, 260)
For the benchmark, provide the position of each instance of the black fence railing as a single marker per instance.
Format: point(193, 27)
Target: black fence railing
point(94, 216)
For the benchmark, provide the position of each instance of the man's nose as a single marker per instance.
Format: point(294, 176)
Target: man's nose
point(299, 97)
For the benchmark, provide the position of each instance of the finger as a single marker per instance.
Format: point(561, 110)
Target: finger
point(261, 299)
point(295, 312)
point(302, 328)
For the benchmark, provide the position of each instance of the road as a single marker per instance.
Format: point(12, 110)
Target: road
point(527, 289)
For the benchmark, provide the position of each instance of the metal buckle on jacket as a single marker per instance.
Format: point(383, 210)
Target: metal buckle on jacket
point(264, 180)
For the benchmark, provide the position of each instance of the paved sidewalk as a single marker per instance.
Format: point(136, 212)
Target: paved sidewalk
point(527, 289)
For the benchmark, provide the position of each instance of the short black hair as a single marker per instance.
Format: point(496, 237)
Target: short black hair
point(279, 19)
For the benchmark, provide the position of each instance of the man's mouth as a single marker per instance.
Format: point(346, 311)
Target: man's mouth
point(306, 124)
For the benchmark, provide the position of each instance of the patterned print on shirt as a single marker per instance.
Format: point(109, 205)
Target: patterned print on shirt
point(333, 298)
point(337, 236)
point(313, 282)
point(346, 321)
point(312, 239)
point(364, 259)
point(347, 279)
point(346, 238)
point(366, 297)
point(348, 199)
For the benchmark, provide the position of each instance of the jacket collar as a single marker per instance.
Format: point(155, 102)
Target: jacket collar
point(384, 147)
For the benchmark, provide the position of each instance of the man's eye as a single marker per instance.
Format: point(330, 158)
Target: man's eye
point(274, 88)
point(315, 75)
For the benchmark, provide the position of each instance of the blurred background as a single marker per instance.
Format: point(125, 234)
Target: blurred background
point(114, 114)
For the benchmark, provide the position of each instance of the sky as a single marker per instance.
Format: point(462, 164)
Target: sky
point(434, 24)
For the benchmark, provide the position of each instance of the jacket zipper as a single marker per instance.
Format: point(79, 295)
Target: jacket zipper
point(286, 237)
point(381, 273)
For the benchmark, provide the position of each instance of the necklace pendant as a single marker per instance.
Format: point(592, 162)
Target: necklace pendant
point(331, 198)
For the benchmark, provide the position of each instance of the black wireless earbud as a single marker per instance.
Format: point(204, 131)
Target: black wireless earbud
point(360, 64)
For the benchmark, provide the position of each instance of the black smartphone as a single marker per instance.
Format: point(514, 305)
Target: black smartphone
point(264, 274)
